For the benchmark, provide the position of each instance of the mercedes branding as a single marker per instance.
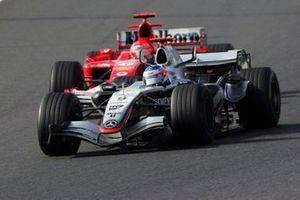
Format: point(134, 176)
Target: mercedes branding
point(110, 124)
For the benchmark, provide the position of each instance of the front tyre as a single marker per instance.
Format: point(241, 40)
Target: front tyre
point(65, 75)
point(192, 113)
point(55, 109)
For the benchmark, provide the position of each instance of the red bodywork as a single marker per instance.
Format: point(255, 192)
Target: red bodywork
point(121, 62)
point(107, 64)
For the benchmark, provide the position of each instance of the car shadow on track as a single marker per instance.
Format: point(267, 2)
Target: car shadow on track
point(139, 149)
point(288, 96)
point(290, 93)
point(280, 133)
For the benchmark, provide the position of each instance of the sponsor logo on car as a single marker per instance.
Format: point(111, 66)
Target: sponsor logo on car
point(122, 98)
point(181, 34)
point(164, 101)
point(121, 74)
point(110, 124)
point(113, 114)
point(115, 107)
point(126, 63)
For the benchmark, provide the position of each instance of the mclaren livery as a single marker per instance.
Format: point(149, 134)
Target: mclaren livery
point(183, 95)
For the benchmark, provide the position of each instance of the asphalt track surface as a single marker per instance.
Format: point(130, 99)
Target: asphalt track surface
point(257, 164)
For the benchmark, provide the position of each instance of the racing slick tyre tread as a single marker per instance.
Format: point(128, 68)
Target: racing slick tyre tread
point(65, 75)
point(261, 106)
point(220, 47)
point(192, 113)
point(56, 108)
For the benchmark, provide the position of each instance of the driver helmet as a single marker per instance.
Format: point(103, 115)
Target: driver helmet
point(148, 50)
point(154, 75)
point(135, 50)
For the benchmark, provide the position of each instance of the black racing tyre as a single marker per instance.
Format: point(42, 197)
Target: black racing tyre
point(220, 47)
point(56, 108)
point(65, 75)
point(192, 113)
point(126, 80)
point(262, 104)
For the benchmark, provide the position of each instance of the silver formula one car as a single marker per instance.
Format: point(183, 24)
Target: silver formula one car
point(175, 100)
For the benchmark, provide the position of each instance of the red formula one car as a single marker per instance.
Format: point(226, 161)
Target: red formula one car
point(109, 68)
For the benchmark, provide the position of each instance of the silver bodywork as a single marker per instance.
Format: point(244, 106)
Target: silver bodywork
point(89, 131)
point(237, 56)
point(121, 103)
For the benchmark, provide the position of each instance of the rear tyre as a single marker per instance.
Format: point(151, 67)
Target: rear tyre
point(192, 113)
point(55, 109)
point(65, 75)
point(220, 47)
point(262, 104)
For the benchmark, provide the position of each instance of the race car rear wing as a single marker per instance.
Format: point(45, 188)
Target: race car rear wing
point(237, 56)
point(183, 36)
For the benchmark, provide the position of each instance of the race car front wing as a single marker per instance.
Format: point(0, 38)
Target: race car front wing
point(88, 131)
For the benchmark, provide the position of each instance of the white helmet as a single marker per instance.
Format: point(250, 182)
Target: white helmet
point(154, 75)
